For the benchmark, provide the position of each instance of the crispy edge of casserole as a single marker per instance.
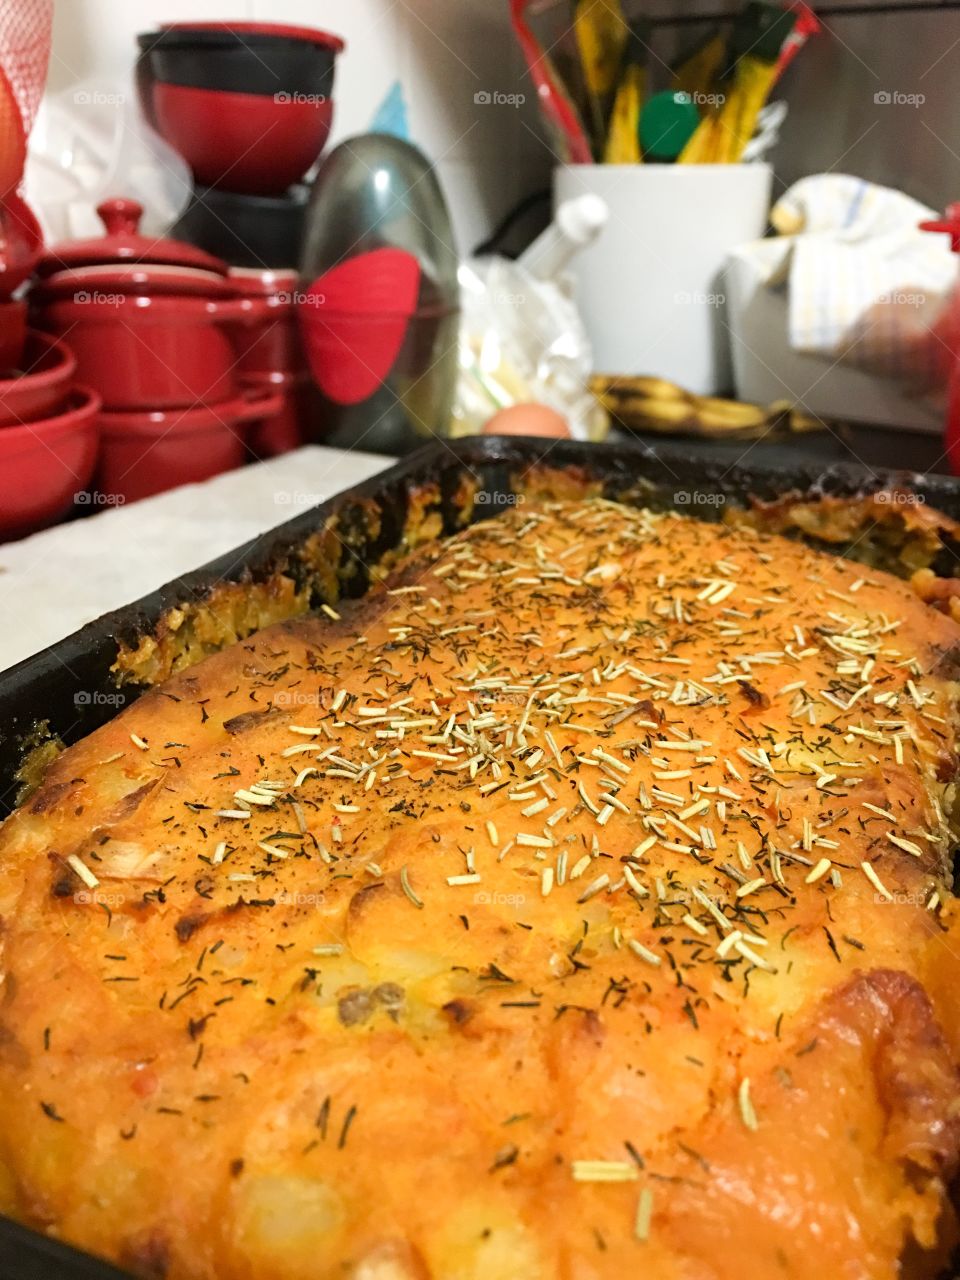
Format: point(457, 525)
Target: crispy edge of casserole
point(890, 529)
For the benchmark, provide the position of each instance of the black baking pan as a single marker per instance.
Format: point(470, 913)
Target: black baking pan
point(27, 1255)
point(69, 687)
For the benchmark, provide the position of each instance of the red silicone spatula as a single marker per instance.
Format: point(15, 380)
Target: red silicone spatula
point(354, 319)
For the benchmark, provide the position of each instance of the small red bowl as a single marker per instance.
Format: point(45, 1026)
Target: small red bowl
point(42, 383)
point(250, 143)
point(275, 346)
point(287, 428)
point(250, 30)
point(13, 335)
point(149, 452)
point(44, 465)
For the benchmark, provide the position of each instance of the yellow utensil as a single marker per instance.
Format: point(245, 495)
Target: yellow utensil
point(601, 33)
point(623, 135)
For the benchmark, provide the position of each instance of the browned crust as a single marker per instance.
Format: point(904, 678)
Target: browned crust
point(891, 528)
point(231, 611)
point(894, 528)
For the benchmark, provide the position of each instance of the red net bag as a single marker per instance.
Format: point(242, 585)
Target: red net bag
point(25, 35)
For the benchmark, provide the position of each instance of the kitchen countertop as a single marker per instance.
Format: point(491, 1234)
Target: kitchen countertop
point(59, 580)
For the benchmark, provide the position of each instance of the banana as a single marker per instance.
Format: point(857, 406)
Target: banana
point(604, 384)
point(728, 413)
point(655, 404)
point(654, 415)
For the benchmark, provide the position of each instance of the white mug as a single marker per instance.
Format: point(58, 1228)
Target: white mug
point(651, 287)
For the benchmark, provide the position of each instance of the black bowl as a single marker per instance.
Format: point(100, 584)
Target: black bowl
point(246, 231)
point(239, 62)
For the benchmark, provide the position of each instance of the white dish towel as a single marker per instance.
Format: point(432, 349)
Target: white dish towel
point(866, 285)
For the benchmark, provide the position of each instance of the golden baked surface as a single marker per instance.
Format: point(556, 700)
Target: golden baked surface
point(575, 908)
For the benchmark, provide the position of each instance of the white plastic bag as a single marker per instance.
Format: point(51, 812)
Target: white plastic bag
point(522, 340)
point(91, 142)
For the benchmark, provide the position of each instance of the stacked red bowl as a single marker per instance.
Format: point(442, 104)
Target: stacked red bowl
point(40, 384)
point(272, 358)
point(48, 427)
point(249, 105)
point(47, 465)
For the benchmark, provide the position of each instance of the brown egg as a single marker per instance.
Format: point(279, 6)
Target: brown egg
point(527, 420)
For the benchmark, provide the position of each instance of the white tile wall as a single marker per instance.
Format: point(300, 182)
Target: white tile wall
point(95, 38)
point(443, 51)
point(837, 123)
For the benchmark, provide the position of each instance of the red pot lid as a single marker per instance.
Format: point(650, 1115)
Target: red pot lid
point(132, 278)
point(312, 35)
point(123, 243)
point(271, 282)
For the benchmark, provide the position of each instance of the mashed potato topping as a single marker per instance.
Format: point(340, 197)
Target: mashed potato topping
point(576, 906)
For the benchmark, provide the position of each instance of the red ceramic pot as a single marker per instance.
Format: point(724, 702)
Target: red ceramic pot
point(45, 464)
point(273, 346)
point(41, 386)
point(151, 321)
point(146, 453)
point(160, 352)
point(286, 429)
point(246, 142)
point(13, 335)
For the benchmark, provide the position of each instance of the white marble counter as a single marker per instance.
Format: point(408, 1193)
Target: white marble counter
point(58, 580)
